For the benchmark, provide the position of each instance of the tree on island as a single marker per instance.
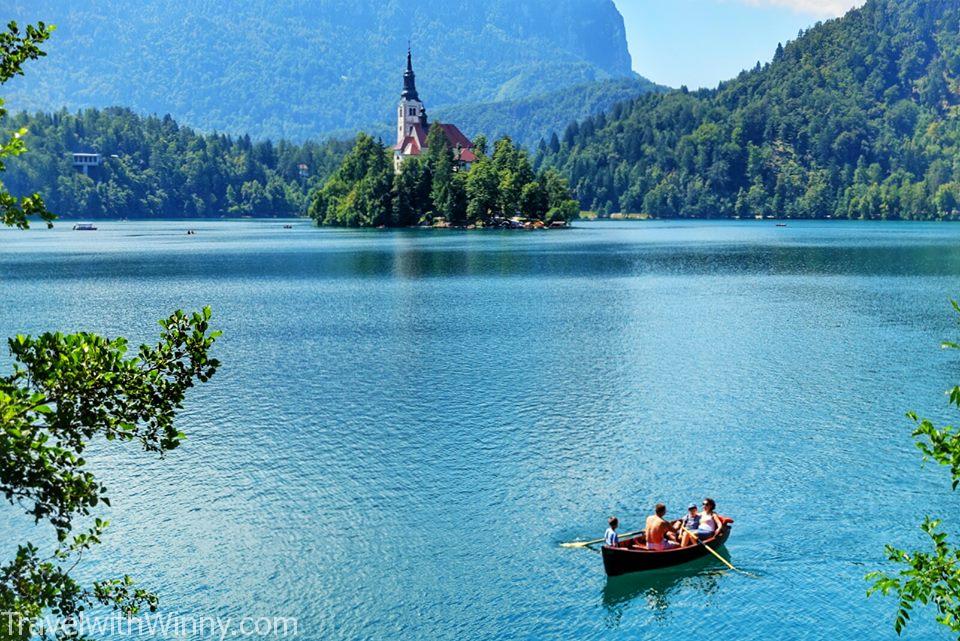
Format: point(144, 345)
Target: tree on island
point(358, 192)
point(483, 186)
point(410, 193)
point(929, 577)
point(365, 191)
point(66, 391)
point(447, 191)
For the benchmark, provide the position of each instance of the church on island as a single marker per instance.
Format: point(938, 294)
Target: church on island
point(412, 127)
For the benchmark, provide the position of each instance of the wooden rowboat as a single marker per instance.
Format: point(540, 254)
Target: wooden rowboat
point(631, 555)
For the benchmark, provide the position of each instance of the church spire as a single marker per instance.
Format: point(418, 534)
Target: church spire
point(409, 80)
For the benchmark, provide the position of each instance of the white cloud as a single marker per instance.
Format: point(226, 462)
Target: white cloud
point(824, 8)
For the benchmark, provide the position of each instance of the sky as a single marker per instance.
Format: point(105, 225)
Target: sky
point(699, 43)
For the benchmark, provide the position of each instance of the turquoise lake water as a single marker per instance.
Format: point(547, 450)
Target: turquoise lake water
point(407, 424)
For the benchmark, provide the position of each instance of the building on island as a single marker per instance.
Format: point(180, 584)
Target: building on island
point(413, 127)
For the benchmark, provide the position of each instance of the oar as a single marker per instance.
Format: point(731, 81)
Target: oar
point(584, 544)
point(710, 549)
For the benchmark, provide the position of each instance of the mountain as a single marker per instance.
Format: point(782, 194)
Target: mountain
point(859, 117)
point(302, 68)
point(527, 120)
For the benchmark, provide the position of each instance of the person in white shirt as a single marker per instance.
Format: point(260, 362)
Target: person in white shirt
point(610, 537)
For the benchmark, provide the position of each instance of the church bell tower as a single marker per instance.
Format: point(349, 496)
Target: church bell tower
point(410, 112)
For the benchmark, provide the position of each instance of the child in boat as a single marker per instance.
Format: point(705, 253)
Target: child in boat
point(610, 537)
point(689, 523)
point(659, 533)
point(710, 524)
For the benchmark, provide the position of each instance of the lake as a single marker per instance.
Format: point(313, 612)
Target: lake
point(408, 423)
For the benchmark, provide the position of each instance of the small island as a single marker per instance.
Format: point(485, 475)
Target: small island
point(436, 177)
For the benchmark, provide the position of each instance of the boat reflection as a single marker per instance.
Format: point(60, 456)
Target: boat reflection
point(657, 586)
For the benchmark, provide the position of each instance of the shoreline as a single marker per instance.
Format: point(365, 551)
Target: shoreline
point(71, 219)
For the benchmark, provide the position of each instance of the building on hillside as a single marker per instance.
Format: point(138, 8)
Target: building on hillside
point(413, 127)
point(84, 161)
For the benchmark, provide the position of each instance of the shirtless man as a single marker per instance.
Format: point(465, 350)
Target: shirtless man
point(659, 532)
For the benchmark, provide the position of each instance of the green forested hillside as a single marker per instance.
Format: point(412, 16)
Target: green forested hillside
point(527, 120)
point(297, 69)
point(155, 167)
point(856, 118)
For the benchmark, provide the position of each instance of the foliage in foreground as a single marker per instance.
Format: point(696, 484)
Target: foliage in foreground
point(930, 577)
point(365, 191)
point(65, 393)
point(16, 48)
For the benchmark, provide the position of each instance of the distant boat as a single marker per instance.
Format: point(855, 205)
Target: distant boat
point(84, 227)
point(781, 224)
point(288, 226)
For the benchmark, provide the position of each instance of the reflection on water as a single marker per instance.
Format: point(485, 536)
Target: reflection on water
point(593, 251)
point(383, 391)
point(653, 589)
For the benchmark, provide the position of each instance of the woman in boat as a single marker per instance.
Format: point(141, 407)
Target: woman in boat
point(710, 524)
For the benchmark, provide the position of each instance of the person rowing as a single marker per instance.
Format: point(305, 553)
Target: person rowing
point(710, 524)
point(659, 532)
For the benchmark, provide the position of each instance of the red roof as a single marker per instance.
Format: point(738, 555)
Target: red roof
point(409, 146)
point(416, 134)
point(414, 144)
point(456, 137)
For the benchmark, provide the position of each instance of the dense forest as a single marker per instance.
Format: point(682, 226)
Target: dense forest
point(527, 120)
point(857, 118)
point(435, 189)
point(154, 167)
point(298, 69)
